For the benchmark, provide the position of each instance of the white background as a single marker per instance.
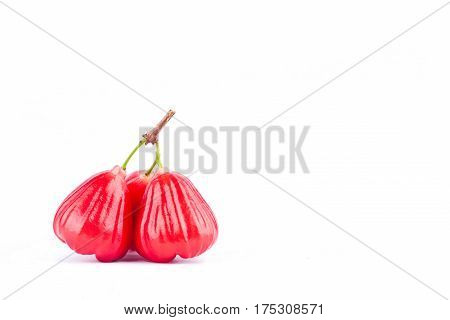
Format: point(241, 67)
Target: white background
point(377, 150)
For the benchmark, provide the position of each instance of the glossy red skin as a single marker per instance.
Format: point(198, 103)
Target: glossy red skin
point(174, 220)
point(137, 182)
point(95, 217)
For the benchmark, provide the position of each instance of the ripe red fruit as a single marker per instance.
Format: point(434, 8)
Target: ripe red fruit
point(137, 182)
point(173, 220)
point(95, 217)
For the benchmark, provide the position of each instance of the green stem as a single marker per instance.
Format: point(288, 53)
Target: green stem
point(157, 160)
point(151, 137)
point(141, 143)
point(158, 156)
point(149, 171)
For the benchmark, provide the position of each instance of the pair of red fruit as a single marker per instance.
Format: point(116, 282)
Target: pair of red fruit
point(159, 214)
